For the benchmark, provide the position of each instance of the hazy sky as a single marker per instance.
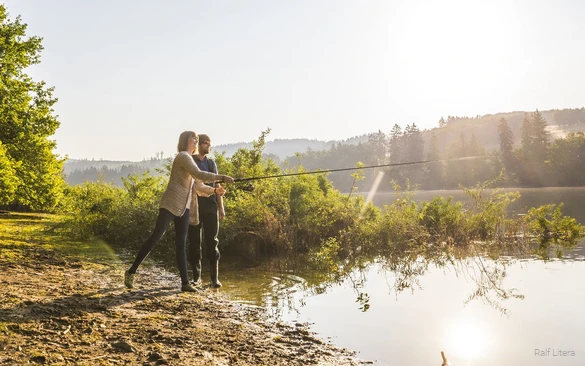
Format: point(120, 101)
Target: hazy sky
point(131, 75)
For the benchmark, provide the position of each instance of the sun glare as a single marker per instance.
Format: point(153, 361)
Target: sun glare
point(451, 51)
point(467, 339)
point(372, 191)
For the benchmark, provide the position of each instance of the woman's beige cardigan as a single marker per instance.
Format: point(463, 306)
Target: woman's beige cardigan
point(176, 195)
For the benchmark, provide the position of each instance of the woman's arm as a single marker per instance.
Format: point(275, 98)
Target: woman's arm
point(187, 162)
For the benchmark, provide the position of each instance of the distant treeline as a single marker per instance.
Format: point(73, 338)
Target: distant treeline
point(526, 154)
point(523, 146)
point(106, 174)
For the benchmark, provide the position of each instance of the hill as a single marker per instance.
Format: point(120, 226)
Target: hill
point(560, 123)
point(484, 128)
point(80, 170)
point(283, 148)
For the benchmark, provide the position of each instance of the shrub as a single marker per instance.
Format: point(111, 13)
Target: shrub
point(120, 216)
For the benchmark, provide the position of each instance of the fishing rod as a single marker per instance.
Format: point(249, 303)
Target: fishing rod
point(236, 180)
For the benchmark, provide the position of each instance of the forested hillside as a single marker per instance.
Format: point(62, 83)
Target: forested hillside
point(78, 171)
point(516, 149)
point(282, 148)
point(454, 137)
point(560, 122)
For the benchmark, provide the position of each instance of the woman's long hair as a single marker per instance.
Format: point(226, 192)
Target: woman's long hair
point(184, 140)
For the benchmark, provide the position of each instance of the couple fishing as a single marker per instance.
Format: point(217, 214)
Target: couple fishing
point(195, 206)
point(192, 206)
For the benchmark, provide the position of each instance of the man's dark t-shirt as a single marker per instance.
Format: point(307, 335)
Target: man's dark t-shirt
point(207, 204)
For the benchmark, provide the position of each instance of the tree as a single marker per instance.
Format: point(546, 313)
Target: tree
point(535, 150)
point(397, 153)
point(506, 138)
point(480, 171)
point(442, 123)
point(567, 161)
point(526, 142)
point(8, 179)
point(456, 172)
point(434, 171)
point(378, 146)
point(433, 153)
point(475, 148)
point(414, 143)
point(540, 137)
point(413, 151)
point(27, 119)
point(507, 148)
point(396, 144)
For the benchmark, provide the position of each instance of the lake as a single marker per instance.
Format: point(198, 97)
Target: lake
point(370, 313)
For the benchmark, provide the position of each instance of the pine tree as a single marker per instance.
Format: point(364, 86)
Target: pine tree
point(434, 171)
point(433, 153)
point(540, 137)
point(462, 150)
point(507, 149)
point(396, 144)
point(535, 151)
point(475, 149)
point(527, 134)
point(480, 171)
point(378, 147)
point(506, 139)
point(416, 143)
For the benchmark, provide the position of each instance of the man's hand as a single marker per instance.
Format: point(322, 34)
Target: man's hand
point(221, 215)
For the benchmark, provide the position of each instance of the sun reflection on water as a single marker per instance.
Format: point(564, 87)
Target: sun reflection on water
point(467, 339)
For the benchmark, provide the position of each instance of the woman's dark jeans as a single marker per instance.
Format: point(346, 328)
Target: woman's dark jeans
point(162, 224)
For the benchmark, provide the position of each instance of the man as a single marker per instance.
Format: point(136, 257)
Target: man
point(211, 211)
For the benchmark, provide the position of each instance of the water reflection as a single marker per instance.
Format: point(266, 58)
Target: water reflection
point(407, 306)
point(417, 308)
point(271, 284)
point(282, 285)
point(276, 283)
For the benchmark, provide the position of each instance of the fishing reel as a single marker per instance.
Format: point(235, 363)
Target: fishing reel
point(247, 187)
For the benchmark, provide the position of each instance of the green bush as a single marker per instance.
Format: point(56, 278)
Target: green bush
point(552, 230)
point(122, 217)
point(444, 220)
point(305, 214)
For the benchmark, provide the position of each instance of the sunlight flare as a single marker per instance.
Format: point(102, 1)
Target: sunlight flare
point(467, 339)
point(372, 191)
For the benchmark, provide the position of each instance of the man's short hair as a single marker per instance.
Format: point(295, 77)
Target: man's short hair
point(203, 137)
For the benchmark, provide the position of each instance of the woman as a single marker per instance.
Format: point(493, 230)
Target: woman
point(176, 203)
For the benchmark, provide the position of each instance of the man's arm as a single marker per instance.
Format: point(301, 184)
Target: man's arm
point(220, 204)
point(219, 198)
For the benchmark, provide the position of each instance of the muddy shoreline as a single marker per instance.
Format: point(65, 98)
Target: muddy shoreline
point(61, 311)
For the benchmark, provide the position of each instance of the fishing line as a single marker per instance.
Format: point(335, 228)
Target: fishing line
point(236, 180)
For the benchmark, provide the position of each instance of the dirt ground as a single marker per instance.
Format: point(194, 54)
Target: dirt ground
point(62, 311)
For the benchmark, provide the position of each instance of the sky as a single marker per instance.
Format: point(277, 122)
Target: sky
point(132, 75)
